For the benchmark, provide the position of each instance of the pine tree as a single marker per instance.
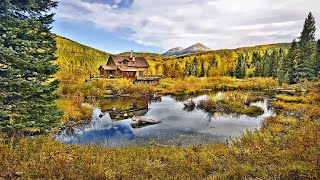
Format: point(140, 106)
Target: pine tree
point(194, 67)
point(26, 53)
point(317, 61)
point(266, 64)
point(289, 64)
point(282, 70)
point(187, 70)
point(241, 67)
point(244, 65)
point(273, 64)
point(306, 53)
point(202, 71)
point(256, 62)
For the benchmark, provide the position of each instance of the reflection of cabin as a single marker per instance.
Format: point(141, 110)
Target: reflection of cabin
point(133, 68)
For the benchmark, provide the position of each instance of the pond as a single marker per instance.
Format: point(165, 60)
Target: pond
point(111, 123)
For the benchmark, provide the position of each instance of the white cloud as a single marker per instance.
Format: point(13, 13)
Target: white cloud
point(216, 23)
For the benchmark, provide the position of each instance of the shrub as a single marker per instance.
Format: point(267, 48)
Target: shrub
point(253, 111)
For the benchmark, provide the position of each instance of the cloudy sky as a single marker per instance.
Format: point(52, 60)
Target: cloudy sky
point(158, 25)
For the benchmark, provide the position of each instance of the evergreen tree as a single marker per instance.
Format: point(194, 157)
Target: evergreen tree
point(256, 62)
point(265, 64)
point(194, 67)
point(282, 70)
point(306, 53)
point(244, 65)
point(273, 64)
point(317, 61)
point(289, 65)
point(241, 67)
point(187, 70)
point(26, 54)
point(202, 71)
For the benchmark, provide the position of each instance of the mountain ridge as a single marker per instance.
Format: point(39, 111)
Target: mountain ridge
point(198, 47)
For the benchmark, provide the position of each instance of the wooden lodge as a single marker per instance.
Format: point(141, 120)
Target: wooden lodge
point(133, 68)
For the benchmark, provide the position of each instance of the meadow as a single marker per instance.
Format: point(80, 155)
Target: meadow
point(286, 147)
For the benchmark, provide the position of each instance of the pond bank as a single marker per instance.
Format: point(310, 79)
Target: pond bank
point(180, 125)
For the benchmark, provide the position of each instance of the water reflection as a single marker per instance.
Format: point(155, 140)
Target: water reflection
point(180, 126)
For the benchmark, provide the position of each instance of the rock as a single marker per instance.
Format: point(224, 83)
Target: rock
point(101, 115)
point(139, 121)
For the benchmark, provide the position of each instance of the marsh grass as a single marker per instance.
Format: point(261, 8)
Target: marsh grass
point(192, 85)
point(234, 102)
point(284, 148)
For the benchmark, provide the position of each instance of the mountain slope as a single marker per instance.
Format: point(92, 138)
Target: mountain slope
point(196, 48)
point(76, 61)
point(173, 51)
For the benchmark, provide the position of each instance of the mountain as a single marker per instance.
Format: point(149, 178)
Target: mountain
point(173, 51)
point(196, 48)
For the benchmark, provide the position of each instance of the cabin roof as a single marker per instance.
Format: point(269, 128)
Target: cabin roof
point(127, 69)
point(140, 62)
point(109, 68)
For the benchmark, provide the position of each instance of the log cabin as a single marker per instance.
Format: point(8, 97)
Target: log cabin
point(133, 68)
point(125, 67)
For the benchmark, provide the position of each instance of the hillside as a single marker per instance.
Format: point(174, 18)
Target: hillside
point(76, 61)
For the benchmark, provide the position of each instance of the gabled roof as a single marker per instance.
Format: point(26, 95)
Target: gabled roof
point(109, 68)
point(127, 69)
point(140, 62)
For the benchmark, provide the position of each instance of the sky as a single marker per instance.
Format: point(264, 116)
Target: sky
point(156, 26)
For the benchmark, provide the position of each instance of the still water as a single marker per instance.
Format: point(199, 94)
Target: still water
point(179, 126)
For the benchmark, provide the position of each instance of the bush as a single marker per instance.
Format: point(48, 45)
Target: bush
point(253, 111)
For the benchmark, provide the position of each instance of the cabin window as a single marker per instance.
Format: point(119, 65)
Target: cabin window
point(141, 73)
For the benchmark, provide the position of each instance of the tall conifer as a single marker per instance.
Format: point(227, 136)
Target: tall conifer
point(27, 50)
point(306, 51)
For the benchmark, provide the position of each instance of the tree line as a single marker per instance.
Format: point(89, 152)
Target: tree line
point(301, 62)
point(289, 64)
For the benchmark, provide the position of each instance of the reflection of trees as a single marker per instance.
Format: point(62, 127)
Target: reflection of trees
point(123, 103)
point(181, 98)
point(155, 99)
point(73, 130)
point(220, 112)
point(189, 105)
point(123, 107)
point(189, 108)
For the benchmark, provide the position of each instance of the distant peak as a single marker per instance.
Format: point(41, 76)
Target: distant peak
point(198, 47)
point(198, 44)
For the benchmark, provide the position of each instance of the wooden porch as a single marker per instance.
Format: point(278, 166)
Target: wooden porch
point(149, 79)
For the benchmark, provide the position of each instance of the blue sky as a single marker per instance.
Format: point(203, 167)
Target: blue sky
point(155, 26)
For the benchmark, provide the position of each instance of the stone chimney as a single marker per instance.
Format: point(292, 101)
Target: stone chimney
point(131, 55)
